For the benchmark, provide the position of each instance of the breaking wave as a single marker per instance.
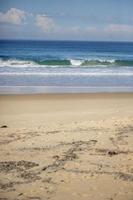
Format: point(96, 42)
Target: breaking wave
point(65, 63)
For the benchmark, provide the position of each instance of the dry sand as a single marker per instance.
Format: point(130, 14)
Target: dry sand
point(60, 147)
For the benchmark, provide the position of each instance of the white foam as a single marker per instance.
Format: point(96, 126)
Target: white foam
point(66, 74)
point(108, 60)
point(76, 62)
point(16, 63)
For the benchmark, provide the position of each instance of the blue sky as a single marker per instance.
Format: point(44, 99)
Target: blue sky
point(67, 19)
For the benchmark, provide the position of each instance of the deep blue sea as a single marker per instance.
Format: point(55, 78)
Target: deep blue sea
point(65, 66)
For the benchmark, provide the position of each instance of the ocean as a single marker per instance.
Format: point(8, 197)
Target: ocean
point(65, 66)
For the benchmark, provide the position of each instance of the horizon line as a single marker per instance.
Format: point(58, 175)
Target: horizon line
point(63, 40)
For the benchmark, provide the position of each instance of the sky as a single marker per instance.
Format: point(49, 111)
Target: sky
point(93, 20)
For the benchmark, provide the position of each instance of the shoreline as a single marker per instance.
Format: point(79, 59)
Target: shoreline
point(71, 95)
point(90, 94)
point(61, 90)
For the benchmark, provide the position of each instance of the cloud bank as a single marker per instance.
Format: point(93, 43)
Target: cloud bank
point(49, 28)
point(13, 16)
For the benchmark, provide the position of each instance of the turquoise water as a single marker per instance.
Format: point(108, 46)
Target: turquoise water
point(69, 66)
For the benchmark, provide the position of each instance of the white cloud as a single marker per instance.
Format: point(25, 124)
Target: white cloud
point(13, 16)
point(45, 23)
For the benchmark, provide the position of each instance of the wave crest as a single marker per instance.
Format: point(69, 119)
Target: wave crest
point(65, 63)
point(16, 63)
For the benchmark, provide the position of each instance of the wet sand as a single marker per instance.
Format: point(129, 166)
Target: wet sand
point(66, 146)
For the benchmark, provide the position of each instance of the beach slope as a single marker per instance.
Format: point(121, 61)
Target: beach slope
point(66, 146)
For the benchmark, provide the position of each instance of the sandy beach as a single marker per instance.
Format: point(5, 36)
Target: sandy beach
point(66, 146)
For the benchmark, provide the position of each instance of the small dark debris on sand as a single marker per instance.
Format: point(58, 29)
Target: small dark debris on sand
point(69, 155)
point(8, 166)
point(56, 157)
point(6, 185)
point(112, 153)
point(20, 170)
point(20, 194)
point(124, 176)
point(52, 132)
point(123, 130)
point(4, 126)
point(30, 176)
